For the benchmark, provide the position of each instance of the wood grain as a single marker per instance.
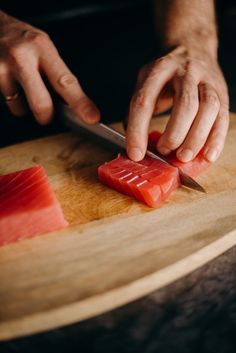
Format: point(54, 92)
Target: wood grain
point(115, 249)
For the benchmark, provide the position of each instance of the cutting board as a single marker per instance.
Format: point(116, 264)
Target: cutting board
point(115, 249)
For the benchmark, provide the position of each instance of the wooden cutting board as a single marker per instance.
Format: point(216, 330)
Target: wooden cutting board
point(115, 249)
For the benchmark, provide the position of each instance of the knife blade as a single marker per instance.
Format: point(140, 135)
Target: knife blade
point(114, 137)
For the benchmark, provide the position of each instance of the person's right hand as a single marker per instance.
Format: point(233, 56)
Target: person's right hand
point(27, 53)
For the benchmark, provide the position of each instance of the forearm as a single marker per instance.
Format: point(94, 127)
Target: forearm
point(191, 24)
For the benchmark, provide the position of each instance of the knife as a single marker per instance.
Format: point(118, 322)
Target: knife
point(113, 137)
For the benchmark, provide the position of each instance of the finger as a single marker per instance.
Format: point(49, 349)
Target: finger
point(206, 116)
point(142, 75)
point(68, 87)
point(185, 107)
point(37, 95)
point(140, 80)
point(165, 100)
point(142, 107)
point(9, 87)
point(216, 139)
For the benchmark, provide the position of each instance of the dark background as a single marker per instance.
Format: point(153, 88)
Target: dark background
point(105, 46)
point(105, 43)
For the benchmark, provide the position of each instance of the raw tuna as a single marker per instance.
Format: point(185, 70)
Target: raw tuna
point(150, 181)
point(193, 168)
point(28, 206)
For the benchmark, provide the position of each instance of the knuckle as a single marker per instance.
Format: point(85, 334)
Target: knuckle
point(133, 136)
point(42, 108)
point(35, 36)
point(66, 80)
point(17, 52)
point(162, 62)
point(199, 139)
point(83, 104)
point(24, 47)
point(211, 100)
point(190, 65)
point(186, 97)
point(140, 100)
point(154, 72)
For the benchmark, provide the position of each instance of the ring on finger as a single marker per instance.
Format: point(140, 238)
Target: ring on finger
point(12, 97)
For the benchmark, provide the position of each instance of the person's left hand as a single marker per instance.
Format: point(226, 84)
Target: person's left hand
point(197, 92)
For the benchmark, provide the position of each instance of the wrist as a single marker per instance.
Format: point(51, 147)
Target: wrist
point(199, 44)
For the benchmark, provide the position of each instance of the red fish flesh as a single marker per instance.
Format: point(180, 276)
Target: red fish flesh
point(150, 181)
point(192, 168)
point(28, 206)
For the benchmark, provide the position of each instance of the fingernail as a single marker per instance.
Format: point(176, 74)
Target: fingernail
point(163, 150)
point(211, 154)
point(185, 155)
point(90, 115)
point(135, 154)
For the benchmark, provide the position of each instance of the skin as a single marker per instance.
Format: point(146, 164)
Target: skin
point(187, 78)
point(27, 54)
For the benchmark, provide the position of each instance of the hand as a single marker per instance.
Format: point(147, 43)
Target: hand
point(197, 92)
point(26, 54)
